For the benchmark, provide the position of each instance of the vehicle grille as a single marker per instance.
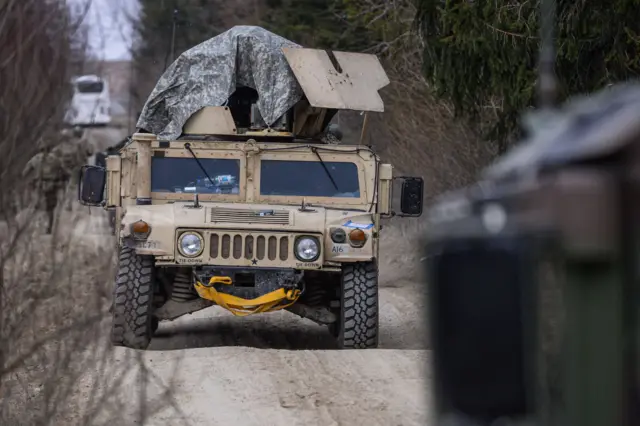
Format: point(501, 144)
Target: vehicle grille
point(266, 216)
point(254, 246)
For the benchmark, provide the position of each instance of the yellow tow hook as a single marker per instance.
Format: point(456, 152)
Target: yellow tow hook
point(273, 301)
point(293, 294)
point(219, 280)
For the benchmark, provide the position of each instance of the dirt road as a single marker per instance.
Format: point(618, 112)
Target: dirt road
point(273, 369)
point(277, 370)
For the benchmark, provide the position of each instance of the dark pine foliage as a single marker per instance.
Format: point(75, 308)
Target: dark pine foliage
point(480, 53)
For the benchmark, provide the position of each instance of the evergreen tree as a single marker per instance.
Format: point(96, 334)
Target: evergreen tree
point(323, 24)
point(194, 21)
point(167, 28)
point(482, 53)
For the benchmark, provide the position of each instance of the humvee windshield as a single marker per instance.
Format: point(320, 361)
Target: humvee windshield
point(277, 177)
point(183, 175)
point(309, 179)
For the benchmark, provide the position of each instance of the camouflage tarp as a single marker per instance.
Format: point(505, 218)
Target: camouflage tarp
point(207, 74)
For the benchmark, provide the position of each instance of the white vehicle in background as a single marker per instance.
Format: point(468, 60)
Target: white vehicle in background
point(91, 103)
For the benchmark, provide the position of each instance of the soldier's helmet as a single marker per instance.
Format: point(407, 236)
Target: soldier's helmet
point(43, 144)
point(78, 132)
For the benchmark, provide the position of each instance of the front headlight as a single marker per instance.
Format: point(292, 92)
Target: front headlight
point(307, 249)
point(190, 244)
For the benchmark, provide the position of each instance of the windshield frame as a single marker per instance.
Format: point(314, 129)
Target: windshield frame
point(81, 83)
point(204, 154)
point(327, 157)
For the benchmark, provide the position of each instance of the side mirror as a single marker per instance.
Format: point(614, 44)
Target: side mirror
point(92, 180)
point(412, 196)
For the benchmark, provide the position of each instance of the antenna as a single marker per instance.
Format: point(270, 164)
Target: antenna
point(173, 34)
point(130, 102)
point(547, 83)
point(172, 49)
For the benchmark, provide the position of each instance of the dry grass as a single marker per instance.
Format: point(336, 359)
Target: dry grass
point(55, 297)
point(60, 366)
point(42, 325)
point(418, 133)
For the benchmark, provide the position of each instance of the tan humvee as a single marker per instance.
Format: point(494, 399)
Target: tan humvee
point(254, 220)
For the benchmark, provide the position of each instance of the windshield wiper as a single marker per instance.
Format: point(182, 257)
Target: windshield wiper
point(326, 169)
point(195, 157)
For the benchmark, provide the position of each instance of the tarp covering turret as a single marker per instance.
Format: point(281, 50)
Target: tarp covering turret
point(207, 74)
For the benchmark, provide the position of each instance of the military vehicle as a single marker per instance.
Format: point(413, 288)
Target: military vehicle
point(532, 276)
point(227, 195)
point(91, 103)
point(532, 272)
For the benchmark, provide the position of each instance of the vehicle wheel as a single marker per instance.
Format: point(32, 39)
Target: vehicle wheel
point(133, 321)
point(358, 319)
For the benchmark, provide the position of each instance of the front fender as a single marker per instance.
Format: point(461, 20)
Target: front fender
point(345, 252)
point(160, 241)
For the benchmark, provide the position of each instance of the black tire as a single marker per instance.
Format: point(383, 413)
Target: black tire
point(133, 322)
point(358, 324)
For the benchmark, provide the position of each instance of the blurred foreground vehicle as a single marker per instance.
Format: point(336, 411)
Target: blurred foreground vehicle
point(234, 191)
point(533, 275)
point(90, 103)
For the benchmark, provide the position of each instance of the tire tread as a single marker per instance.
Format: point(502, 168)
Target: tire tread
point(359, 306)
point(132, 325)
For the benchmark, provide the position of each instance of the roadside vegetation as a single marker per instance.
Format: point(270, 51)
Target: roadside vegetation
point(54, 296)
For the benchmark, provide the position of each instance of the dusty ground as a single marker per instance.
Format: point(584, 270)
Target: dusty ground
point(211, 368)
